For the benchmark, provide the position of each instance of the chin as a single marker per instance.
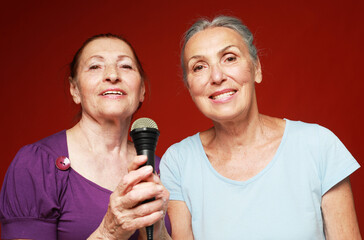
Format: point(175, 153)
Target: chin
point(117, 114)
point(221, 117)
point(226, 115)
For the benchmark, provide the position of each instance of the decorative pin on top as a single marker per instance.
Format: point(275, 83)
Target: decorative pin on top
point(63, 163)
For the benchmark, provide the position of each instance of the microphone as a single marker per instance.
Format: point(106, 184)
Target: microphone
point(144, 133)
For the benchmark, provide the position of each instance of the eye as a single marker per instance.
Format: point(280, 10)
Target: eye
point(93, 67)
point(230, 57)
point(197, 68)
point(127, 66)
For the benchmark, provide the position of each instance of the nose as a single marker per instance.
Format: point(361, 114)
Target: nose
point(217, 75)
point(111, 74)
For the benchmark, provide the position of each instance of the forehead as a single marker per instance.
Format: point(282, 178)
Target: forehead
point(212, 40)
point(106, 46)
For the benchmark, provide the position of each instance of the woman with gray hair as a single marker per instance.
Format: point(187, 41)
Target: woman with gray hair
point(251, 176)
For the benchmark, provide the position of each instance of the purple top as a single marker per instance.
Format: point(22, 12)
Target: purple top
point(39, 201)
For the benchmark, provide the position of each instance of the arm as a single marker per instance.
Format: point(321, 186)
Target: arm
point(29, 192)
point(339, 213)
point(180, 220)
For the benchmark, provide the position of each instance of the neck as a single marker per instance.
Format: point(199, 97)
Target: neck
point(244, 130)
point(110, 137)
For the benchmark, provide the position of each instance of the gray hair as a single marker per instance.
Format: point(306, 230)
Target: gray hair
point(220, 21)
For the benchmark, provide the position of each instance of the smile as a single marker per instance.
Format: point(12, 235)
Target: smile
point(223, 95)
point(112, 93)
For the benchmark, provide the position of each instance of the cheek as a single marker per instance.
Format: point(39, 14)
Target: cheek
point(84, 90)
point(195, 90)
point(242, 75)
point(87, 91)
point(197, 96)
point(136, 85)
point(196, 84)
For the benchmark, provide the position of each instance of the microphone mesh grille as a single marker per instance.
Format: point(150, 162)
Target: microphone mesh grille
point(143, 123)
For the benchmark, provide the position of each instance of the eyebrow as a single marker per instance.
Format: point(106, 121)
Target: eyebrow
point(95, 56)
point(219, 52)
point(125, 56)
point(101, 57)
point(226, 48)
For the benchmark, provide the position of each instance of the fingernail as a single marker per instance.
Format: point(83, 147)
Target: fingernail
point(148, 169)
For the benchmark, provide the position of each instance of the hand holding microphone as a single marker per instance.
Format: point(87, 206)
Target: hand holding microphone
point(144, 133)
point(140, 199)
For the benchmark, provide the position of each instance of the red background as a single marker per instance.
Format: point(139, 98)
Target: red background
point(311, 54)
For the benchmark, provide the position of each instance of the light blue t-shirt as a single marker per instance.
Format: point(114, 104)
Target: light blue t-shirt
point(281, 202)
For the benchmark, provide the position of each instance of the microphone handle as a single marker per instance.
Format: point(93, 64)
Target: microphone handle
point(150, 154)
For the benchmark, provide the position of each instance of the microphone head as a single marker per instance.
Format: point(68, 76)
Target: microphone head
point(144, 133)
point(144, 123)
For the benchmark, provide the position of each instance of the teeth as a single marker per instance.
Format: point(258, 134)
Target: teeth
point(227, 94)
point(112, 92)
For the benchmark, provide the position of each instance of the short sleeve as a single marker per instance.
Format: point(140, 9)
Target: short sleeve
point(171, 174)
point(336, 161)
point(29, 205)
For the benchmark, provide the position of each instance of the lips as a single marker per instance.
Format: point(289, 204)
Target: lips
point(113, 92)
point(222, 94)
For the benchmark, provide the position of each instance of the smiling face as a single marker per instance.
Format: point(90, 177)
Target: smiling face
point(221, 74)
point(108, 83)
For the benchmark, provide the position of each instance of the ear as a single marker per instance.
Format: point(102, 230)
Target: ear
point(142, 92)
point(75, 92)
point(258, 72)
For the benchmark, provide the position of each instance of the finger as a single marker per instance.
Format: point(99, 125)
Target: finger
point(137, 162)
point(133, 178)
point(124, 215)
point(148, 208)
point(147, 186)
point(140, 193)
point(144, 221)
point(154, 178)
point(125, 224)
point(162, 193)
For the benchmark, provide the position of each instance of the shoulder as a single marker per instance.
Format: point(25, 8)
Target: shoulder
point(308, 130)
point(307, 142)
point(318, 141)
point(310, 137)
point(189, 144)
point(41, 154)
point(299, 126)
point(32, 182)
point(185, 152)
point(38, 160)
point(54, 144)
point(333, 160)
